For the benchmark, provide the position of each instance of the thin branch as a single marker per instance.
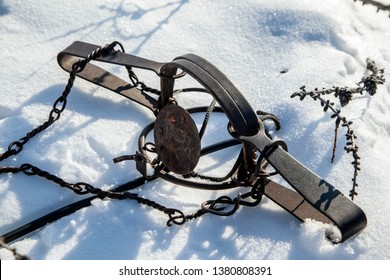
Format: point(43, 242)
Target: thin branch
point(378, 5)
point(336, 133)
point(345, 95)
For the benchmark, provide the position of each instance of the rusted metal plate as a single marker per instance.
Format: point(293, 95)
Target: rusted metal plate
point(177, 139)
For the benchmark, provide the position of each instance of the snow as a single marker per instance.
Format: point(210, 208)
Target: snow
point(316, 43)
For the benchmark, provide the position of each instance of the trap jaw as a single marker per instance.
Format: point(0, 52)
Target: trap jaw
point(233, 104)
point(177, 141)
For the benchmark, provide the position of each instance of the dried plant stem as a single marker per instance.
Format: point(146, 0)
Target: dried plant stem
point(336, 133)
point(376, 4)
point(344, 95)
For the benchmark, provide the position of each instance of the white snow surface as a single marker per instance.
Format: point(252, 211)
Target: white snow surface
point(317, 43)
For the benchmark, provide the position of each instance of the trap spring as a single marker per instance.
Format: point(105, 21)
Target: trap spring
point(176, 150)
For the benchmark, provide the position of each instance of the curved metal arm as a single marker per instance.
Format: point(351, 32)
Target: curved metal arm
point(234, 104)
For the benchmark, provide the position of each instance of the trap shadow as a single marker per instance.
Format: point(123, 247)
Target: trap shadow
point(81, 102)
point(4, 10)
point(101, 228)
point(301, 143)
point(133, 13)
point(238, 236)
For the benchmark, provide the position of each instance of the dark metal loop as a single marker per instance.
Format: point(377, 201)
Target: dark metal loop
point(54, 115)
point(82, 188)
point(15, 147)
point(178, 219)
point(27, 169)
point(78, 66)
point(216, 206)
point(150, 147)
point(111, 46)
point(60, 104)
point(257, 192)
point(268, 149)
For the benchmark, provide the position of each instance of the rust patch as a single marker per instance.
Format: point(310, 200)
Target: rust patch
point(177, 139)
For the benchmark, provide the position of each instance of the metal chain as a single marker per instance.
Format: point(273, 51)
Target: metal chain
point(82, 188)
point(59, 105)
point(140, 85)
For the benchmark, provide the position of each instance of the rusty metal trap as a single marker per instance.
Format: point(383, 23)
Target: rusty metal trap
point(176, 149)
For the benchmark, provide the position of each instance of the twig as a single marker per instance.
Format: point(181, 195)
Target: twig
point(344, 95)
point(376, 4)
point(336, 133)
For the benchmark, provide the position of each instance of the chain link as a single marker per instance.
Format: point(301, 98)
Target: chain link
point(138, 84)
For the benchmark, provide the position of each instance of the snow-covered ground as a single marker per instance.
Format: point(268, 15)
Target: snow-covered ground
point(321, 43)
